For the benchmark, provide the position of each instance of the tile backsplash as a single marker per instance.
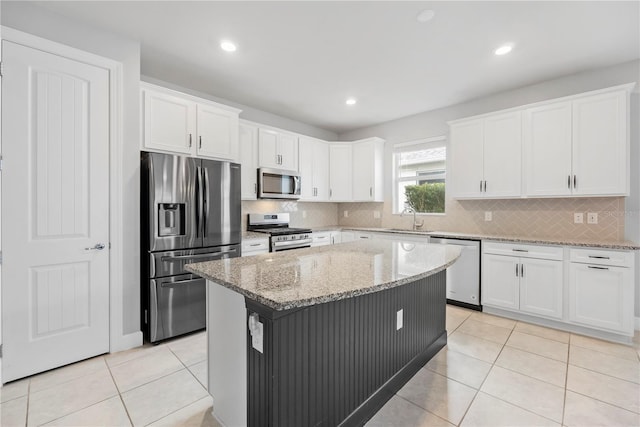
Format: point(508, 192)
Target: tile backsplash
point(522, 217)
point(303, 214)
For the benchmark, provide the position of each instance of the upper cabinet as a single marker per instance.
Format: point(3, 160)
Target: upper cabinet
point(340, 172)
point(367, 170)
point(248, 141)
point(180, 123)
point(486, 156)
point(277, 149)
point(574, 146)
point(313, 162)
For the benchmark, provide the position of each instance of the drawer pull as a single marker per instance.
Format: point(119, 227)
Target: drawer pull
point(519, 250)
point(598, 257)
point(256, 244)
point(516, 270)
point(597, 268)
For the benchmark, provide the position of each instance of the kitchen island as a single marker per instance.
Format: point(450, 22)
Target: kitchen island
point(321, 336)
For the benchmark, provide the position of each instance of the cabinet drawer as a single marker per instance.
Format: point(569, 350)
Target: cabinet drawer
point(321, 239)
point(255, 245)
point(602, 257)
point(523, 250)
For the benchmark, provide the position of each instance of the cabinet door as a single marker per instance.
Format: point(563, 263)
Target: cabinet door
point(288, 151)
point(500, 283)
point(321, 239)
point(217, 133)
point(268, 149)
point(169, 123)
point(541, 287)
point(363, 161)
point(340, 172)
point(600, 149)
point(336, 237)
point(547, 150)
point(466, 159)
point(306, 152)
point(248, 141)
point(321, 171)
point(601, 297)
point(503, 155)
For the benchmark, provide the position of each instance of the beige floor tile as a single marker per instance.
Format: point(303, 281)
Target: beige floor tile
point(623, 394)
point(64, 399)
point(618, 350)
point(487, 411)
point(192, 350)
point(199, 370)
point(445, 398)
point(67, 373)
point(583, 411)
point(157, 399)
point(473, 346)
point(533, 365)
point(541, 331)
point(115, 359)
point(540, 346)
point(14, 412)
point(197, 414)
point(503, 322)
point(455, 318)
point(624, 369)
point(402, 413)
point(536, 396)
point(14, 389)
point(142, 370)
point(109, 412)
point(459, 367)
point(485, 331)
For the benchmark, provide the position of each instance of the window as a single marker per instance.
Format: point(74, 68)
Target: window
point(419, 175)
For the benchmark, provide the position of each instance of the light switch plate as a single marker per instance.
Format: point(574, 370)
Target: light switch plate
point(304, 214)
point(578, 218)
point(346, 214)
point(376, 214)
point(488, 216)
point(592, 217)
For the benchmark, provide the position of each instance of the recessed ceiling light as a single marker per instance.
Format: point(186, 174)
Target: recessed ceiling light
point(503, 50)
point(351, 101)
point(228, 46)
point(426, 15)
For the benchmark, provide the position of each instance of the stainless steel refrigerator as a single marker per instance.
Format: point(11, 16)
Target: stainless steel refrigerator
point(190, 212)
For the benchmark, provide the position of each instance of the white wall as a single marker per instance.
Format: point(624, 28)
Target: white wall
point(433, 123)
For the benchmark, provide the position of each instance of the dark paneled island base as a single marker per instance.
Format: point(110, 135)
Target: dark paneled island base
point(339, 362)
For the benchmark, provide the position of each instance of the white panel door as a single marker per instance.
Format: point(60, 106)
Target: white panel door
point(288, 150)
point(55, 199)
point(217, 133)
point(363, 162)
point(600, 155)
point(466, 157)
point(248, 141)
point(547, 144)
point(306, 165)
point(503, 155)
point(169, 123)
point(500, 281)
point(340, 173)
point(541, 285)
point(268, 149)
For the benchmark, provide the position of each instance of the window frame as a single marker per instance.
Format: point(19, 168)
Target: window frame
point(415, 145)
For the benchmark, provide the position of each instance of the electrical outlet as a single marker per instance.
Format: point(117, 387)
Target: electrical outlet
point(376, 214)
point(592, 217)
point(488, 216)
point(399, 315)
point(578, 218)
point(346, 214)
point(304, 214)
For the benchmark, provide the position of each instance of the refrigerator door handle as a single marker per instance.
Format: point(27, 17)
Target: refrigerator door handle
point(205, 205)
point(199, 191)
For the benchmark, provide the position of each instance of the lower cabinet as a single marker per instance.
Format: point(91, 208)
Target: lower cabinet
point(255, 246)
point(321, 238)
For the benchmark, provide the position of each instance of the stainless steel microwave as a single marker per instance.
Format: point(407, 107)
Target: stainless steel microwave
point(278, 184)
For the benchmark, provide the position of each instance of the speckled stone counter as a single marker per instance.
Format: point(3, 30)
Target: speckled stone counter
point(305, 277)
point(253, 235)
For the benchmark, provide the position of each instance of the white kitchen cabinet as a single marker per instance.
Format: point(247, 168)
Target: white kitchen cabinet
point(347, 236)
point(601, 290)
point(255, 246)
point(183, 124)
point(336, 237)
point(277, 149)
point(340, 175)
point(368, 170)
point(486, 157)
point(314, 169)
point(321, 238)
point(520, 282)
point(248, 141)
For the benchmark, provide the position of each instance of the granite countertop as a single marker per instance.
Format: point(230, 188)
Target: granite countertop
point(253, 235)
point(304, 277)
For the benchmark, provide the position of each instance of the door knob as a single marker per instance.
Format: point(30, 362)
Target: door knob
point(97, 247)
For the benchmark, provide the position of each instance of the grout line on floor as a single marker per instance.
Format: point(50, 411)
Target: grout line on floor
point(418, 406)
point(26, 417)
point(124, 405)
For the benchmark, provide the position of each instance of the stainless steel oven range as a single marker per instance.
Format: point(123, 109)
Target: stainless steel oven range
point(282, 237)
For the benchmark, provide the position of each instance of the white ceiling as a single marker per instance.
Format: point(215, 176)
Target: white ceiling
point(303, 59)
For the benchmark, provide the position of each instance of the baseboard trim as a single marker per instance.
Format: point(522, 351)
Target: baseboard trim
point(126, 342)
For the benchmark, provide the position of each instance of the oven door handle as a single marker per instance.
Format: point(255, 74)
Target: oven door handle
point(292, 243)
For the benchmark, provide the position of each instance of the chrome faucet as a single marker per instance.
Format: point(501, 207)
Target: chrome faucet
point(416, 224)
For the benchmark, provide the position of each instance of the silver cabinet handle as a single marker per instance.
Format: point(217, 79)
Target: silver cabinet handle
point(485, 186)
point(200, 141)
point(516, 270)
point(481, 186)
point(255, 188)
point(190, 143)
point(97, 247)
point(597, 268)
point(521, 270)
point(519, 250)
point(575, 182)
point(598, 257)
point(330, 193)
point(256, 244)
point(569, 181)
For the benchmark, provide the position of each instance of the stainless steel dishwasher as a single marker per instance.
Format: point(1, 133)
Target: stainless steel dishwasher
point(463, 277)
